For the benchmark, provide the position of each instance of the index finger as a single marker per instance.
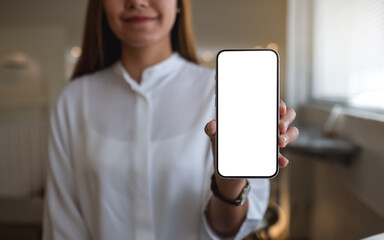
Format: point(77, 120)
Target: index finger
point(283, 108)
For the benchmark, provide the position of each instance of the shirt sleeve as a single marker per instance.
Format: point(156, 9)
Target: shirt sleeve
point(257, 205)
point(62, 218)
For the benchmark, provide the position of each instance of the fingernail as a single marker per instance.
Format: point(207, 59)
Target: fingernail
point(286, 164)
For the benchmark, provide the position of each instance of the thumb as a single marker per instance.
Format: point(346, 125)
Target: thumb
point(210, 130)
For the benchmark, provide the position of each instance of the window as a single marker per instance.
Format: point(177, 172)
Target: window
point(348, 52)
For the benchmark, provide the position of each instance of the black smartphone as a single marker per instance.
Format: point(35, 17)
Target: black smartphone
point(247, 113)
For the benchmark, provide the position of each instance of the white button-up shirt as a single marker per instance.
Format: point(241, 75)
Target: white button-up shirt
point(132, 161)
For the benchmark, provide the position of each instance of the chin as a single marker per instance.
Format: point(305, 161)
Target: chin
point(140, 42)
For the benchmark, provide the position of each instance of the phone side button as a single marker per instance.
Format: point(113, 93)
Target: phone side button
point(216, 100)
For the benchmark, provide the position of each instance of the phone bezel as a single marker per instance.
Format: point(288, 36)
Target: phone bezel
point(277, 117)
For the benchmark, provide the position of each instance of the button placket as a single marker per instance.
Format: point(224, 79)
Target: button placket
point(141, 171)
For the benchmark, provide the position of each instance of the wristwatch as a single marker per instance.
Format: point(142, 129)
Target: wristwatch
point(240, 200)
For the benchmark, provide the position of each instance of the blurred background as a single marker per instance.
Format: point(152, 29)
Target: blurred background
point(332, 73)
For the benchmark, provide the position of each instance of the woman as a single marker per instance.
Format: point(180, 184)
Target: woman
point(128, 155)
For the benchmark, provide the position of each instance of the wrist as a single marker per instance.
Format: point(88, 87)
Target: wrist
point(230, 188)
point(231, 191)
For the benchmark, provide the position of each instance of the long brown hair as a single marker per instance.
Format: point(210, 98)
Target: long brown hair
point(101, 48)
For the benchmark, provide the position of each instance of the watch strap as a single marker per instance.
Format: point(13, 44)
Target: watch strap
point(240, 200)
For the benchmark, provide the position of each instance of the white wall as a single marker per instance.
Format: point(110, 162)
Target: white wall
point(44, 30)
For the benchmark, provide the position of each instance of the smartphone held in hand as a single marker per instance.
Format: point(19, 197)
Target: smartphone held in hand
point(247, 113)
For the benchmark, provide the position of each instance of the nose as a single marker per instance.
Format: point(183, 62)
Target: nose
point(136, 4)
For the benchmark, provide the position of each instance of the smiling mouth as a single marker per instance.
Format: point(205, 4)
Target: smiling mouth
point(139, 19)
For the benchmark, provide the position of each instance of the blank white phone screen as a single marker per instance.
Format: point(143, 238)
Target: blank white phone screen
point(247, 113)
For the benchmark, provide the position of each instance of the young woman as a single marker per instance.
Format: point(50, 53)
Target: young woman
point(129, 158)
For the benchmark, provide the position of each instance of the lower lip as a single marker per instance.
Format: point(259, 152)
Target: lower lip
point(139, 20)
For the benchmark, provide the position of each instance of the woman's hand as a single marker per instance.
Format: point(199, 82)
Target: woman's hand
point(287, 134)
point(226, 219)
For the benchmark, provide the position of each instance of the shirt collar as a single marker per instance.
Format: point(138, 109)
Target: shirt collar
point(153, 75)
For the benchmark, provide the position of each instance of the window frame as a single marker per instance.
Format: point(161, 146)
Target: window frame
point(300, 63)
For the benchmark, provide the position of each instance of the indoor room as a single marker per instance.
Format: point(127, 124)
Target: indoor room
point(331, 72)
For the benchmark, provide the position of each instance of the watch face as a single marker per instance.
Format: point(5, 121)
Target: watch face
point(244, 194)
